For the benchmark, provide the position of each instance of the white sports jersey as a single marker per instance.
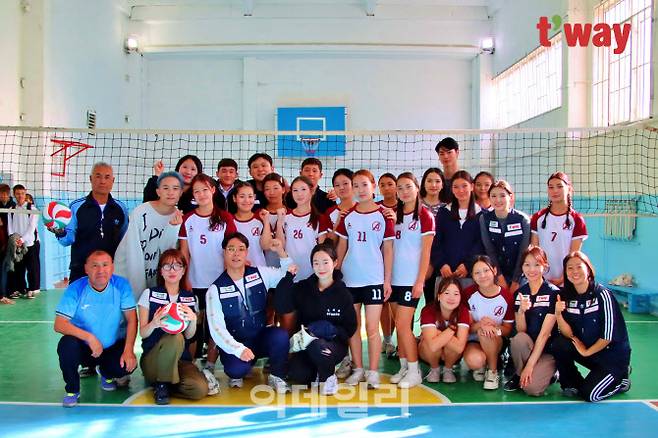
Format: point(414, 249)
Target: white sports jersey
point(206, 254)
point(365, 232)
point(252, 229)
point(556, 238)
point(301, 237)
point(500, 308)
point(408, 245)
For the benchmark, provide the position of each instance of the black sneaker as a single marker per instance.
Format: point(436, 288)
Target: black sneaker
point(161, 393)
point(512, 384)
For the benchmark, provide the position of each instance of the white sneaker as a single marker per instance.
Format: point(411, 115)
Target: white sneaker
point(397, 377)
point(411, 379)
point(279, 385)
point(372, 378)
point(213, 384)
point(491, 380)
point(434, 376)
point(357, 376)
point(330, 386)
point(36, 291)
point(448, 376)
point(344, 368)
point(235, 383)
point(478, 375)
point(122, 382)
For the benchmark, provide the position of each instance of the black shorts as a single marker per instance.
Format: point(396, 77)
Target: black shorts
point(368, 294)
point(402, 296)
point(200, 294)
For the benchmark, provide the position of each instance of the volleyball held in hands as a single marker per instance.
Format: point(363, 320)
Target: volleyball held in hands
point(173, 319)
point(56, 215)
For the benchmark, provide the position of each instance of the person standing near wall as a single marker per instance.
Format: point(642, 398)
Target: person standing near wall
point(25, 225)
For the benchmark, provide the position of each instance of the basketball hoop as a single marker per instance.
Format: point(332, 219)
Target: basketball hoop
point(310, 145)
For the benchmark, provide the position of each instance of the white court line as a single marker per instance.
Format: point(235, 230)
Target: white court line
point(27, 322)
point(641, 322)
point(651, 405)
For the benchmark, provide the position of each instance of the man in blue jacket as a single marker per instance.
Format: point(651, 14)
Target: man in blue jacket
point(98, 221)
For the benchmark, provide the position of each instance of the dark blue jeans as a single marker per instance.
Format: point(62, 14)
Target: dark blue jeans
point(270, 342)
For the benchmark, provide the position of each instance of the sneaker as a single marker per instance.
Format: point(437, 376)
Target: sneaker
point(512, 384)
point(389, 350)
point(625, 385)
point(213, 384)
point(344, 368)
point(15, 295)
point(357, 376)
point(372, 378)
point(161, 393)
point(235, 383)
point(36, 291)
point(210, 366)
point(434, 376)
point(87, 371)
point(478, 375)
point(397, 377)
point(70, 399)
point(108, 384)
point(411, 379)
point(30, 295)
point(569, 392)
point(279, 385)
point(122, 382)
point(329, 386)
point(448, 376)
point(491, 380)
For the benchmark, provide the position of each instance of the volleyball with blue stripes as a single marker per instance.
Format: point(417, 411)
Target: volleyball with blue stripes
point(56, 215)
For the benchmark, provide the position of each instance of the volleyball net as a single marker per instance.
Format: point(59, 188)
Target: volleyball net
point(614, 171)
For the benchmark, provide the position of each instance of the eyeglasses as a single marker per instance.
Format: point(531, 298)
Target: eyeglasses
point(175, 266)
point(236, 249)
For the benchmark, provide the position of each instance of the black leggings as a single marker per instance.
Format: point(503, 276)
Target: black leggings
point(319, 359)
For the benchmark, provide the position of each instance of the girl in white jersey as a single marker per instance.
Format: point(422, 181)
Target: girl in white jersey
point(342, 182)
point(274, 189)
point(558, 228)
point(303, 229)
point(247, 222)
point(492, 316)
point(200, 237)
point(414, 233)
point(365, 253)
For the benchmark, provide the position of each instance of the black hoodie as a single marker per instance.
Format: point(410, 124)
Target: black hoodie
point(334, 304)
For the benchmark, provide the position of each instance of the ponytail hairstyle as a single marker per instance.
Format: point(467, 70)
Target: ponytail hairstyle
point(232, 203)
point(216, 220)
point(565, 179)
point(454, 205)
point(367, 174)
point(400, 209)
point(314, 218)
point(487, 261)
point(423, 190)
point(443, 285)
point(278, 179)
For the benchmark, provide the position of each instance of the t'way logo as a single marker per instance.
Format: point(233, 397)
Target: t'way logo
point(578, 34)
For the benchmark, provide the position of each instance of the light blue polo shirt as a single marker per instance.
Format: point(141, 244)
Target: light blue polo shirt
point(100, 313)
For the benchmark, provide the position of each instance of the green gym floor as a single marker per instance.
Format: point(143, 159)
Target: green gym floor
point(30, 376)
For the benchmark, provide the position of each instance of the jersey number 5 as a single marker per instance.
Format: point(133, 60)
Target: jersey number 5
point(202, 239)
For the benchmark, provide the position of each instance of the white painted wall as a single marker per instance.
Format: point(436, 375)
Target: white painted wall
point(206, 92)
point(85, 66)
point(10, 17)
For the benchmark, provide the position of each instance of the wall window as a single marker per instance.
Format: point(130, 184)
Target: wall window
point(621, 83)
point(530, 87)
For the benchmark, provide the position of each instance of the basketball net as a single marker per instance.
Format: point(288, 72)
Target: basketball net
point(310, 145)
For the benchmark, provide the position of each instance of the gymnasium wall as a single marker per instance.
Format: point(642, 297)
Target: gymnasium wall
point(10, 71)
point(516, 36)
